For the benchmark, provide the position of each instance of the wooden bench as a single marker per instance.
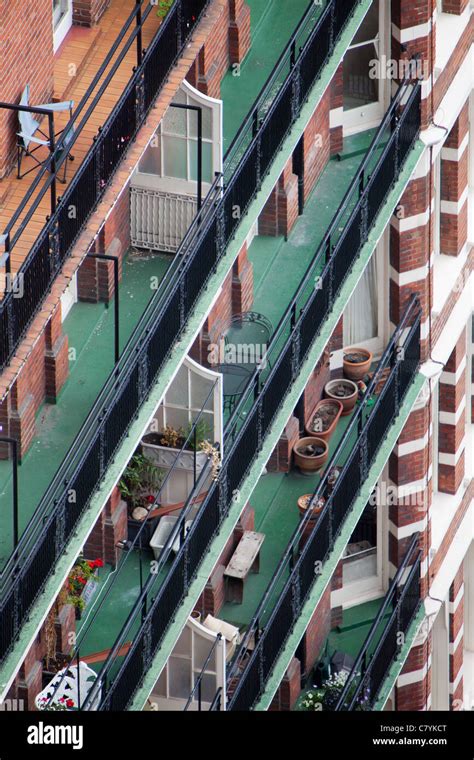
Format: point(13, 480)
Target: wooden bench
point(244, 560)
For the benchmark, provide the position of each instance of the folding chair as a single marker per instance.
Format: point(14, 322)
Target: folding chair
point(29, 127)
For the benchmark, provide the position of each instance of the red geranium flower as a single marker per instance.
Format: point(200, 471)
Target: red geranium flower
point(150, 499)
point(98, 563)
point(69, 703)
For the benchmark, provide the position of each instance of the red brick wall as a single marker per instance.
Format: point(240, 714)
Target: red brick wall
point(88, 12)
point(26, 57)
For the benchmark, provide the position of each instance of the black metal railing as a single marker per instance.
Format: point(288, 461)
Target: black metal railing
point(297, 572)
point(118, 404)
point(384, 640)
point(288, 349)
point(117, 682)
point(63, 227)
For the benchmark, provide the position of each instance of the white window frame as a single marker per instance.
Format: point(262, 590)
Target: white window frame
point(377, 345)
point(369, 116)
point(177, 185)
point(65, 23)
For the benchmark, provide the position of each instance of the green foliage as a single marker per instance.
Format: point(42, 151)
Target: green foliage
point(164, 7)
point(140, 478)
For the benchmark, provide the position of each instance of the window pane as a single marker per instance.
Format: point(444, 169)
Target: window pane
point(206, 122)
point(151, 161)
point(208, 687)
point(174, 121)
point(206, 161)
point(369, 28)
point(359, 88)
point(174, 157)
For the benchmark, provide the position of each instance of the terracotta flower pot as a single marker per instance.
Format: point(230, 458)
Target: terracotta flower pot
point(303, 504)
point(356, 370)
point(310, 454)
point(345, 391)
point(337, 409)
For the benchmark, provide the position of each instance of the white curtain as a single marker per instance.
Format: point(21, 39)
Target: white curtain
point(361, 314)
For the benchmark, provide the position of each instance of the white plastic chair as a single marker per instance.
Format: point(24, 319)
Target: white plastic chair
point(30, 126)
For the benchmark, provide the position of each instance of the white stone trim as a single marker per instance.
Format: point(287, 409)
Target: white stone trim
point(451, 460)
point(454, 686)
point(407, 223)
point(403, 449)
point(452, 606)
point(407, 530)
point(455, 207)
point(455, 154)
point(414, 676)
point(413, 275)
point(452, 418)
point(453, 645)
point(411, 33)
point(452, 378)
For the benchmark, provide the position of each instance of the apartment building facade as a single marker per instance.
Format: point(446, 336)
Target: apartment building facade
point(273, 184)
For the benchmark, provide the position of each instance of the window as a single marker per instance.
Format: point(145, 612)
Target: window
point(366, 315)
point(175, 150)
point(364, 91)
point(62, 20)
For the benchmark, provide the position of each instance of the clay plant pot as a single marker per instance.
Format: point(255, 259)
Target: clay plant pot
point(310, 454)
point(356, 363)
point(303, 504)
point(345, 391)
point(327, 412)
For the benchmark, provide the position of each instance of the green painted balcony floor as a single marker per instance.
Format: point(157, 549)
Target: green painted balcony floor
point(90, 331)
point(272, 24)
point(278, 264)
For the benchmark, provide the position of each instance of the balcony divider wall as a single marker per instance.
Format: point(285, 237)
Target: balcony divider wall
point(83, 468)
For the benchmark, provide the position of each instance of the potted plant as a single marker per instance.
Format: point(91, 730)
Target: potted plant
point(345, 391)
point(310, 454)
point(304, 502)
point(140, 482)
point(324, 418)
point(356, 363)
point(326, 697)
point(164, 449)
point(81, 583)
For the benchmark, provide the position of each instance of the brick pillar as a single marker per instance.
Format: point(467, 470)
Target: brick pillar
point(456, 641)
point(213, 59)
point(413, 689)
point(455, 6)
point(316, 144)
point(410, 257)
point(23, 411)
point(454, 186)
point(56, 357)
point(314, 389)
point(410, 489)
point(239, 30)
point(317, 631)
point(289, 690)
point(337, 111)
point(452, 419)
point(115, 527)
point(280, 459)
point(242, 283)
point(411, 34)
point(88, 12)
point(280, 212)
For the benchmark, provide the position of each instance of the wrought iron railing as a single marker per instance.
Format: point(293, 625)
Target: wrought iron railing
point(297, 571)
point(84, 466)
point(384, 640)
point(57, 238)
point(288, 348)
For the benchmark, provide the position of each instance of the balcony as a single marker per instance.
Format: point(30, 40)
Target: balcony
point(370, 635)
point(135, 606)
point(122, 396)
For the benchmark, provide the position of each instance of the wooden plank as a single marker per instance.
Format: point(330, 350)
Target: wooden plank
point(245, 555)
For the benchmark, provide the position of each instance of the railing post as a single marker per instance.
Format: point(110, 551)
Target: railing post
point(139, 35)
point(179, 23)
point(332, 30)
